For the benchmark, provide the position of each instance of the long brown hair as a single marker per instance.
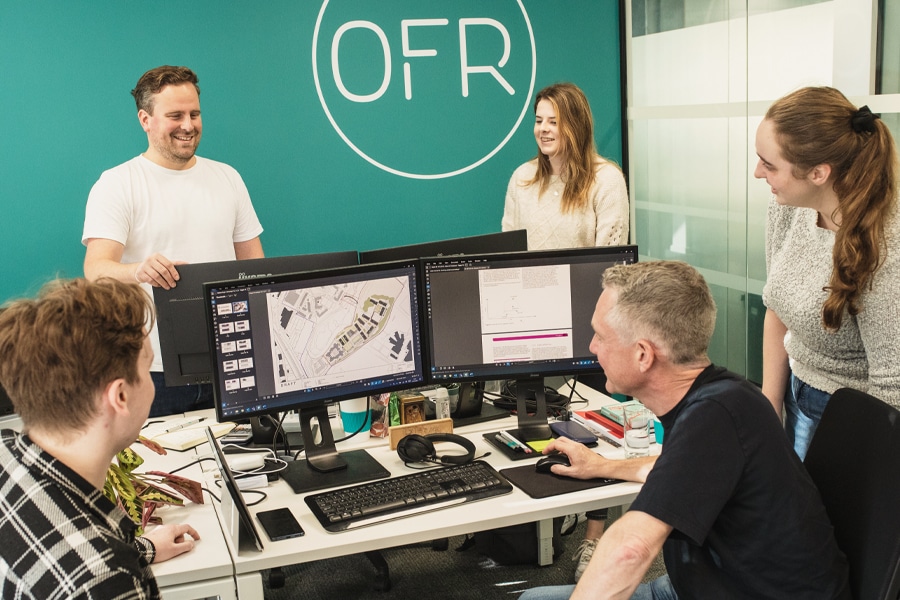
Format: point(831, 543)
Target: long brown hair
point(818, 125)
point(576, 131)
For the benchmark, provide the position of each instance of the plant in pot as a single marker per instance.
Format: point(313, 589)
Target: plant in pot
point(139, 494)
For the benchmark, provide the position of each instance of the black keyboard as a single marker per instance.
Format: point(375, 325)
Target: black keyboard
point(406, 495)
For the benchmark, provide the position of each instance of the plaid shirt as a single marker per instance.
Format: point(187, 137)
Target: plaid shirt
point(60, 537)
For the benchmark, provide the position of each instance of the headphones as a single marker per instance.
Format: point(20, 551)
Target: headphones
point(415, 448)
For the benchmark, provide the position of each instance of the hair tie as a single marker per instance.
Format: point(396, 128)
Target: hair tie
point(864, 120)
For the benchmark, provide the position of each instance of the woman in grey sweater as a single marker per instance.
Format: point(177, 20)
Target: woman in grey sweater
point(833, 256)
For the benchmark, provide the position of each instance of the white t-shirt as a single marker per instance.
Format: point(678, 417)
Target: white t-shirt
point(195, 215)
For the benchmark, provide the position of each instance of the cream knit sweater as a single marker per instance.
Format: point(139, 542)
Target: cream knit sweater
point(603, 222)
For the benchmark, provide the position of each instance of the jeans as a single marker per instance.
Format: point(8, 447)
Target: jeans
point(658, 589)
point(803, 408)
point(178, 399)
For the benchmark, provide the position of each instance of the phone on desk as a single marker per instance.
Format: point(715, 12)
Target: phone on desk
point(280, 524)
point(572, 430)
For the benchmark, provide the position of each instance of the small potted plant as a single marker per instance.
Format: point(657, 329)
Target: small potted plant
point(140, 493)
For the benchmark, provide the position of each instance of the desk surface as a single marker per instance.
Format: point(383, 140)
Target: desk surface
point(500, 511)
point(210, 558)
point(216, 557)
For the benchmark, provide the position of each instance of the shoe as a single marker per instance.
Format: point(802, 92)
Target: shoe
point(570, 522)
point(583, 556)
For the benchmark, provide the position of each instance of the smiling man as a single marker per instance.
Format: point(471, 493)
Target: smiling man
point(167, 207)
point(727, 500)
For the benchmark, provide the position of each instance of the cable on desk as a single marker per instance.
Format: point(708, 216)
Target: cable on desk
point(556, 402)
point(190, 464)
point(243, 492)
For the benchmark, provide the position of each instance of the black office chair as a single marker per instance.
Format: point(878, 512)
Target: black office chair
point(854, 459)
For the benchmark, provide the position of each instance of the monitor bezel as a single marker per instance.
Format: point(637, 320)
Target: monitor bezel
point(504, 241)
point(334, 395)
point(519, 371)
point(173, 326)
point(231, 487)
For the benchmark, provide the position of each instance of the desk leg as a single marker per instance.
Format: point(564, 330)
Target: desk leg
point(250, 586)
point(545, 542)
point(222, 588)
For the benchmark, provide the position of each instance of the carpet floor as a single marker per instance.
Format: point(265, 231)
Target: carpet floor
point(420, 572)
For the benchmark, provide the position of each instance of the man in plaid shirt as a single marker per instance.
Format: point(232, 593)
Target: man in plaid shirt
point(75, 363)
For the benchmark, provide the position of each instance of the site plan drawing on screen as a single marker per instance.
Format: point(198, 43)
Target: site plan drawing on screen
point(338, 333)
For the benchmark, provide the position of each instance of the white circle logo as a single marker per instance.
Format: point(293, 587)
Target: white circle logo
point(429, 96)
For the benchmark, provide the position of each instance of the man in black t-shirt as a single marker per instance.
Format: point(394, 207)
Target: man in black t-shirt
point(727, 500)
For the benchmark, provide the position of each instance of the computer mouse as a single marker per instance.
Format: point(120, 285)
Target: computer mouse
point(543, 465)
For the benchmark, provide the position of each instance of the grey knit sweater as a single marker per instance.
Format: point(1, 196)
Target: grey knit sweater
point(865, 352)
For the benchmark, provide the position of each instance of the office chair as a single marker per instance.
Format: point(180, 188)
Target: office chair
point(854, 460)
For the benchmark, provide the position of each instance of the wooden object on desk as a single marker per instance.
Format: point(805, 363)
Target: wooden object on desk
point(412, 408)
point(398, 432)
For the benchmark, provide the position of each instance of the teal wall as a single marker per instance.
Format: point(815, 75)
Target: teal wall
point(67, 66)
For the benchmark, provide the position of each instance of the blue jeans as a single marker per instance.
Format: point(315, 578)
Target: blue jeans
point(178, 399)
point(803, 408)
point(658, 589)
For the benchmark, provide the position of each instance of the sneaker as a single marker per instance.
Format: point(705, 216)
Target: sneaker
point(570, 522)
point(583, 556)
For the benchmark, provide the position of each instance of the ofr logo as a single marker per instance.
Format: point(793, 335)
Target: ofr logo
point(424, 89)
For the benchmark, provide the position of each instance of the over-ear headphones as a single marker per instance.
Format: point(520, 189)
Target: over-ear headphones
point(418, 448)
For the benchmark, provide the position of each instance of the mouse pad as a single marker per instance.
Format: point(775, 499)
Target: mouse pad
point(543, 485)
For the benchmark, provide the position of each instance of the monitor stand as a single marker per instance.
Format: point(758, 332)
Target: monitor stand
point(264, 435)
point(324, 466)
point(532, 427)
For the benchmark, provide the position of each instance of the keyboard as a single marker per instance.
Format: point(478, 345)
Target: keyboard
point(407, 495)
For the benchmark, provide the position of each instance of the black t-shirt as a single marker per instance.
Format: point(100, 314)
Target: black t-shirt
point(748, 521)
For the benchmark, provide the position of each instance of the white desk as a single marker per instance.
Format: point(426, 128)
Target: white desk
point(511, 509)
point(207, 571)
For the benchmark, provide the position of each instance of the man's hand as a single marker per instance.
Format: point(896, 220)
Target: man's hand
point(103, 258)
point(587, 464)
point(172, 540)
point(158, 271)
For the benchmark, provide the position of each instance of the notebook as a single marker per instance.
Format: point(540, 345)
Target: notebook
point(185, 433)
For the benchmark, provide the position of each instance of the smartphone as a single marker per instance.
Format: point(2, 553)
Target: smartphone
point(573, 430)
point(280, 524)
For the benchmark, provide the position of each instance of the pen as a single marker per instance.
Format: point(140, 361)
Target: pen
point(183, 425)
point(500, 439)
point(516, 442)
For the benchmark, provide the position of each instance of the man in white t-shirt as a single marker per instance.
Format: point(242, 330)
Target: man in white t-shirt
point(168, 207)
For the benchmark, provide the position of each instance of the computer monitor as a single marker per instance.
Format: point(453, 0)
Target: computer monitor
point(305, 340)
point(6, 405)
point(506, 241)
point(522, 316)
point(181, 317)
point(470, 406)
point(243, 523)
